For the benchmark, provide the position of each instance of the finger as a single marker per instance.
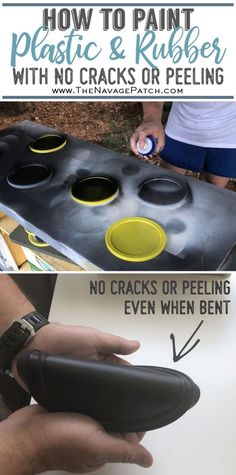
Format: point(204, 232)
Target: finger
point(107, 343)
point(142, 138)
point(160, 141)
point(133, 436)
point(133, 143)
point(26, 413)
point(140, 435)
point(116, 450)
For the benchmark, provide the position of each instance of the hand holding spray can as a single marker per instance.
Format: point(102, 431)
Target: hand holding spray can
point(149, 147)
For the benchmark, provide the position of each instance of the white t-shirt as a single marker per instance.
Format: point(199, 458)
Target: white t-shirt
point(208, 124)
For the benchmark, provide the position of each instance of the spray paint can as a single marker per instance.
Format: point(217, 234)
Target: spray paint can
point(149, 148)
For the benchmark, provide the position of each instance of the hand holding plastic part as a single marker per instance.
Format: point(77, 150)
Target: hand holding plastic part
point(81, 342)
point(34, 441)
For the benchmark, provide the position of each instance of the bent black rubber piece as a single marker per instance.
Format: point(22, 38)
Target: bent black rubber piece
point(121, 398)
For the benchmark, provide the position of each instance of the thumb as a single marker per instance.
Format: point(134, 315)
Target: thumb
point(107, 343)
point(117, 450)
point(142, 139)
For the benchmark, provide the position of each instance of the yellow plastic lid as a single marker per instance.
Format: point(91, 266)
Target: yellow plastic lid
point(135, 239)
point(36, 241)
point(48, 143)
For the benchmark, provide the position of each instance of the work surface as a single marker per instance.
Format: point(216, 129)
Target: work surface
point(198, 218)
point(203, 440)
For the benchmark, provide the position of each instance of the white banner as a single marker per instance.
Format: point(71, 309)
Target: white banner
point(117, 51)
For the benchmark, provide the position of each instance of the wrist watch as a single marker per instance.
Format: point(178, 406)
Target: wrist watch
point(17, 336)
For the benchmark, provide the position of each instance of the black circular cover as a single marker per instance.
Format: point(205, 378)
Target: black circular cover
point(164, 191)
point(29, 176)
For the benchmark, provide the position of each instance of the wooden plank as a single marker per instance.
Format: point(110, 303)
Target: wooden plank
point(7, 225)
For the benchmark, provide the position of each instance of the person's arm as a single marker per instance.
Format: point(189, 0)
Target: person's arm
point(151, 125)
point(33, 441)
point(13, 303)
point(77, 341)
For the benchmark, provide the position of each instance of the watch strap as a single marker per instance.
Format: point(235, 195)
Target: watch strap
point(16, 337)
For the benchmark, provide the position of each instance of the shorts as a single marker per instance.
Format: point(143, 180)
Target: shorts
point(218, 161)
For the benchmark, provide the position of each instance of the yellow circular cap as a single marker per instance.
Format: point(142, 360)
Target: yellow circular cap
point(48, 143)
point(32, 238)
point(135, 239)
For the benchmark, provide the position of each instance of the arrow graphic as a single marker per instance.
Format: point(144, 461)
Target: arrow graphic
point(177, 357)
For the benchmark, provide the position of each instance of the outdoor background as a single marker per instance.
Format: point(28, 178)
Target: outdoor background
point(110, 124)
